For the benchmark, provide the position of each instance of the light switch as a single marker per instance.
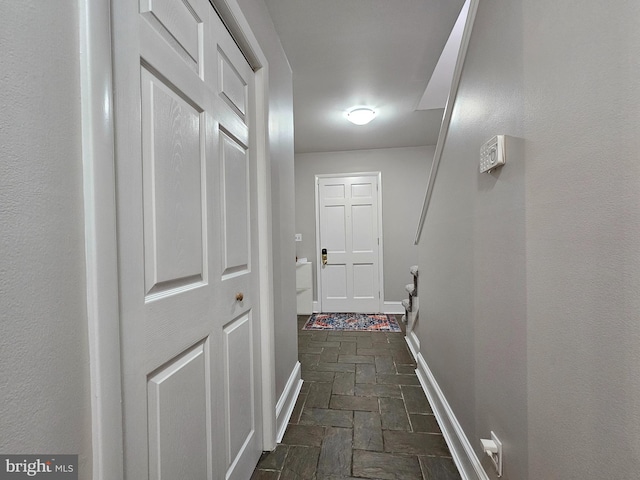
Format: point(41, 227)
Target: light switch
point(298, 237)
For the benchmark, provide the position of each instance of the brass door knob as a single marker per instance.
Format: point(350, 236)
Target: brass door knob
point(239, 296)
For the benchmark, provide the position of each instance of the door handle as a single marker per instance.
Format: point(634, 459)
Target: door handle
point(324, 256)
point(239, 296)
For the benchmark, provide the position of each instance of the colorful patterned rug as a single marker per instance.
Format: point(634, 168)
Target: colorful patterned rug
point(352, 321)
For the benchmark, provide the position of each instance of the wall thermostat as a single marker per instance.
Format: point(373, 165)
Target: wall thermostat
point(492, 154)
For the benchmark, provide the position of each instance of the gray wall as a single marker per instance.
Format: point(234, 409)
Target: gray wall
point(530, 275)
point(44, 366)
point(404, 172)
point(283, 190)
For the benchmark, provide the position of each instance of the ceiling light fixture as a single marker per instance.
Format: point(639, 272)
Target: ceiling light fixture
point(361, 115)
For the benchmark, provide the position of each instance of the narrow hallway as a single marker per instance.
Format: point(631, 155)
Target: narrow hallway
point(361, 414)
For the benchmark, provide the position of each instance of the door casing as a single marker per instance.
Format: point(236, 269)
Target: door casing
point(318, 240)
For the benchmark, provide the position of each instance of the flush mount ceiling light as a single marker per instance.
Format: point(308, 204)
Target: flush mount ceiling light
point(361, 115)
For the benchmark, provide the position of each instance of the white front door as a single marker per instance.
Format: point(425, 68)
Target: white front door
point(350, 233)
point(187, 243)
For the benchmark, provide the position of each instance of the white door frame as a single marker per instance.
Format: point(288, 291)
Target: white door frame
point(380, 233)
point(101, 252)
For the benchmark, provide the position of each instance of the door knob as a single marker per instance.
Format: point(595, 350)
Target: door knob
point(324, 256)
point(239, 296)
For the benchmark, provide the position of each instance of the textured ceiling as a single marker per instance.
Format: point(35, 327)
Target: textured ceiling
point(378, 53)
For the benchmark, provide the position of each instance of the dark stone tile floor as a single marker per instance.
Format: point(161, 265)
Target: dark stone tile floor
point(361, 414)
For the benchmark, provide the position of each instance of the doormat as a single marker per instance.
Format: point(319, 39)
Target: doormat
point(352, 321)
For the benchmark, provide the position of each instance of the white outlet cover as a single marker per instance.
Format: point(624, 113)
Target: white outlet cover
point(497, 458)
point(298, 237)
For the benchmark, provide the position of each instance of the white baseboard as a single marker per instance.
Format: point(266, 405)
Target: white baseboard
point(393, 308)
point(287, 401)
point(315, 307)
point(414, 344)
point(461, 450)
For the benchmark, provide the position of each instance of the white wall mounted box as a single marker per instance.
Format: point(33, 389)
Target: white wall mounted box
point(492, 154)
point(304, 288)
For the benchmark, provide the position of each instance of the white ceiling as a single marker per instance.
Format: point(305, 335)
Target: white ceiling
point(377, 53)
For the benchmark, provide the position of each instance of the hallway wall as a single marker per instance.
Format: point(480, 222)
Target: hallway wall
point(530, 275)
point(44, 364)
point(404, 172)
point(282, 189)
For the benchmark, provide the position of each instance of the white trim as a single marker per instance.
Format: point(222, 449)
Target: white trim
point(461, 450)
point(393, 308)
point(101, 257)
point(446, 118)
point(414, 344)
point(234, 19)
point(287, 401)
point(317, 305)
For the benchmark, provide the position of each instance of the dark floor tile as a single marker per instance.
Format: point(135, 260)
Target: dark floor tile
point(375, 351)
point(390, 379)
point(308, 359)
point(355, 359)
point(415, 400)
point(365, 343)
point(365, 373)
point(351, 402)
point(326, 417)
point(334, 333)
point(305, 348)
point(345, 338)
point(344, 383)
point(335, 455)
point(376, 390)
point(403, 357)
point(406, 369)
point(308, 435)
point(274, 460)
point(301, 462)
point(336, 477)
point(439, 468)
point(379, 339)
point(385, 466)
point(348, 348)
point(415, 443)
point(329, 355)
point(265, 475)
point(396, 337)
point(356, 333)
point(325, 344)
point(367, 431)
point(333, 367)
point(424, 423)
point(319, 395)
point(297, 409)
point(318, 336)
point(393, 414)
point(384, 364)
point(316, 376)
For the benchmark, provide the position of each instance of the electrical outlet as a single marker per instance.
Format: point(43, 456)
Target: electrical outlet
point(493, 448)
point(298, 237)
